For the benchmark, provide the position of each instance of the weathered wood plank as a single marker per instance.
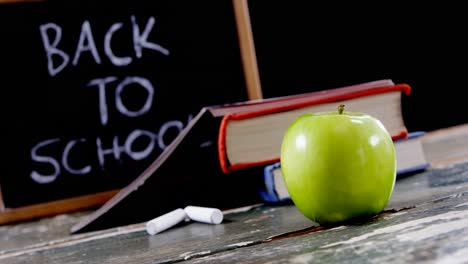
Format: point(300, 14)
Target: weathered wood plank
point(186, 241)
point(33, 233)
point(447, 146)
point(276, 233)
point(423, 187)
point(433, 231)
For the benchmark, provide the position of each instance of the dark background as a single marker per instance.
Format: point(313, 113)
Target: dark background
point(305, 46)
point(203, 68)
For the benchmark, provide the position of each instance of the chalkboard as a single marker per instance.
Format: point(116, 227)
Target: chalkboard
point(93, 91)
point(303, 46)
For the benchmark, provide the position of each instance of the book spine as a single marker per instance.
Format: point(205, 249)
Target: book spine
point(226, 167)
point(269, 194)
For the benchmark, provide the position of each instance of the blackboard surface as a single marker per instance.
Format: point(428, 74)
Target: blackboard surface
point(93, 91)
point(303, 46)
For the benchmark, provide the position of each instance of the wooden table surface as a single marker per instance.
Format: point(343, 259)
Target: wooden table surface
point(425, 221)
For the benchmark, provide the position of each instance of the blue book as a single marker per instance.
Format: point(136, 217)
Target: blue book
point(275, 190)
point(410, 159)
point(410, 154)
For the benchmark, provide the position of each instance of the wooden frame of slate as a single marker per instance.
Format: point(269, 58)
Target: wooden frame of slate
point(59, 72)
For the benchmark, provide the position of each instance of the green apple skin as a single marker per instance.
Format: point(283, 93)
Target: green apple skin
point(337, 167)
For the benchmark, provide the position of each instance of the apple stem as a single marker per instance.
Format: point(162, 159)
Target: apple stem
point(341, 109)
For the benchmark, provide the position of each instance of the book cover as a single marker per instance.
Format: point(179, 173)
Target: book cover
point(275, 190)
point(186, 173)
point(252, 137)
point(411, 157)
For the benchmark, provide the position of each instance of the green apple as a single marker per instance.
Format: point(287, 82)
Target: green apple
point(338, 165)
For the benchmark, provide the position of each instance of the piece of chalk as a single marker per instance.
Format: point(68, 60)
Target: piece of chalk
point(165, 221)
point(204, 214)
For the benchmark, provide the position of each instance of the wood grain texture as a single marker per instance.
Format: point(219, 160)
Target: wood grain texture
point(425, 220)
point(247, 47)
point(12, 215)
point(434, 231)
point(445, 147)
point(33, 234)
point(186, 241)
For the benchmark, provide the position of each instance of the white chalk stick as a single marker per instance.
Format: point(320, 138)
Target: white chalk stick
point(204, 214)
point(165, 221)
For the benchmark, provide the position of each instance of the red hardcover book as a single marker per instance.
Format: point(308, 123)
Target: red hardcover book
point(197, 168)
point(250, 135)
